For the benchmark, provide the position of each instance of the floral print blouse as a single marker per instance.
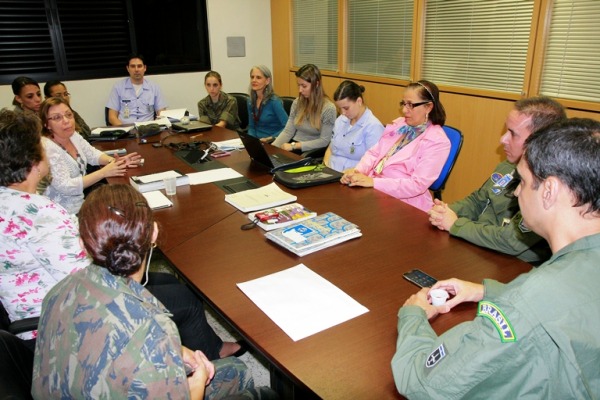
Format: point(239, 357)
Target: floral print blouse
point(39, 246)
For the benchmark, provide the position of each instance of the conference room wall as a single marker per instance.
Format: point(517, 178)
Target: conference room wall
point(251, 19)
point(480, 118)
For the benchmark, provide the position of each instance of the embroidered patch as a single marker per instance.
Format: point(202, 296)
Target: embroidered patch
point(493, 313)
point(435, 356)
point(500, 181)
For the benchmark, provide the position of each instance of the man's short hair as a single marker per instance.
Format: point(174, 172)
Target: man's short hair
point(570, 151)
point(543, 111)
point(136, 55)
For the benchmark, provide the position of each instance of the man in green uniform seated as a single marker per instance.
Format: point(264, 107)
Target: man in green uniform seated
point(490, 217)
point(537, 336)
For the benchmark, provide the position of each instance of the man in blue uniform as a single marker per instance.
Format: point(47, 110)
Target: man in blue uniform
point(135, 99)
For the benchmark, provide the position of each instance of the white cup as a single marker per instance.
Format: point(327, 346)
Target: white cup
point(185, 120)
point(438, 296)
point(170, 185)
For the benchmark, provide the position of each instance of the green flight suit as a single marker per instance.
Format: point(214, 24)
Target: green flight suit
point(490, 217)
point(548, 319)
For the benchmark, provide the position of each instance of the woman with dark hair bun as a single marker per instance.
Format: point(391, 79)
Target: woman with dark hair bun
point(28, 96)
point(355, 131)
point(411, 152)
point(103, 335)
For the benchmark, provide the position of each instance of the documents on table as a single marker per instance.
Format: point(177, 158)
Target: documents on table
point(301, 302)
point(279, 217)
point(157, 200)
point(176, 114)
point(147, 183)
point(317, 233)
point(213, 175)
point(257, 199)
point(231, 144)
point(98, 131)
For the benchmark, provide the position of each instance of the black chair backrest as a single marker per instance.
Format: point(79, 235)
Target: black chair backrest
point(287, 103)
point(16, 367)
point(242, 103)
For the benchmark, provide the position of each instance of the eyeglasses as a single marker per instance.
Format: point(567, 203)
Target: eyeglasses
point(410, 106)
point(62, 95)
point(60, 117)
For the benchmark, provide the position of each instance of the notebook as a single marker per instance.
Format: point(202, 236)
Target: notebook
point(192, 126)
point(257, 152)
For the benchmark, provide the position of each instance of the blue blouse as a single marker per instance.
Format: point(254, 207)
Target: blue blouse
point(269, 120)
point(350, 142)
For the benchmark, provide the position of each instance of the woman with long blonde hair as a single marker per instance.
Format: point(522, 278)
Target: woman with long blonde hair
point(312, 115)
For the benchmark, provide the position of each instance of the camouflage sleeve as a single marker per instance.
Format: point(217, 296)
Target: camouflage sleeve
point(155, 360)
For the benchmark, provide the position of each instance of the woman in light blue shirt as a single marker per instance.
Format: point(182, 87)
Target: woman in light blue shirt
point(355, 131)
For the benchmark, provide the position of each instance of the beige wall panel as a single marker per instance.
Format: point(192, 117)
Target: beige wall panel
point(481, 119)
point(281, 38)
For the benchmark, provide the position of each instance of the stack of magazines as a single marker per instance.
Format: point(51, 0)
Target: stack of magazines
point(314, 234)
point(279, 217)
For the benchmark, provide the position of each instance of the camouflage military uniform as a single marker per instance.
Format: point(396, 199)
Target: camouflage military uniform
point(104, 336)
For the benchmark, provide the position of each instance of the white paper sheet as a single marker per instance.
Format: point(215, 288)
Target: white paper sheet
point(231, 144)
point(156, 200)
point(213, 175)
point(177, 113)
point(301, 302)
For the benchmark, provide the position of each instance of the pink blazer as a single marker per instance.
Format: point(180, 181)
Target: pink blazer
point(408, 174)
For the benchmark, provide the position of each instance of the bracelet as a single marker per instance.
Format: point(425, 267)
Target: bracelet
point(293, 145)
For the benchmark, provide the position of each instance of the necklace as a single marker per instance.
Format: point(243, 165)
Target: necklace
point(81, 164)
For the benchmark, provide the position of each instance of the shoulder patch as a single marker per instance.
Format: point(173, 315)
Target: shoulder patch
point(435, 356)
point(500, 181)
point(492, 312)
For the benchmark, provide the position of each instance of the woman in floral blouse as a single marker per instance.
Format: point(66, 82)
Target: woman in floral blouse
point(39, 244)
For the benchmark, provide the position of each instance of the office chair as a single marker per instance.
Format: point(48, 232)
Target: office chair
point(16, 367)
point(242, 103)
point(106, 116)
point(287, 103)
point(24, 325)
point(456, 140)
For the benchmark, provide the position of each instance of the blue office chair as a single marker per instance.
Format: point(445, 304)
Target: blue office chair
point(456, 140)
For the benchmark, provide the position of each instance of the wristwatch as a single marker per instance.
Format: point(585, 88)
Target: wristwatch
point(293, 145)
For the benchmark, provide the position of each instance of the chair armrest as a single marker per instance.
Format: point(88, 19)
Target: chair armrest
point(24, 325)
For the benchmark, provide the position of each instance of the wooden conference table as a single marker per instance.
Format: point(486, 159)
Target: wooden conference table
point(201, 236)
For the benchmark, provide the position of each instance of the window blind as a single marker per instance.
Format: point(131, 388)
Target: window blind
point(25, 41)
point(315, 24)
point(477, 44)
point(380, 37)
point(95, 34)
point(571, 68)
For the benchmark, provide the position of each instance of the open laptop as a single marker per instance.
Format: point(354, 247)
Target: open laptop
point(192, 126)
point(257, 152)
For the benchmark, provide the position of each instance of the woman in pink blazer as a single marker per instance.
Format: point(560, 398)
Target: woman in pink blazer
point(411, 152)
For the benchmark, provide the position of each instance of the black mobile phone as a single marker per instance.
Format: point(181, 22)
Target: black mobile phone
point(420, 278)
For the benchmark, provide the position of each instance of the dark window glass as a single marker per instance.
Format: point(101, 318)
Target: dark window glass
point(74, 39)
